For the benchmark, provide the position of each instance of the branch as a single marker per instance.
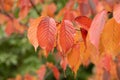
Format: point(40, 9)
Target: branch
point(10, 17)
point(5, 13)
point(34, 7)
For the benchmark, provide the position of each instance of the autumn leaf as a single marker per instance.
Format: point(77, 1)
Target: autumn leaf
point(69, 15)
point(66, 36)
point(32, 32)
point(116, 13)
point(96, 28)
point(110, 37)
point(41, 72)
point(84, 8)
point(46, 34)
point(74, 59)
point(55, 70)
point(9, 28)
point(24, 6)
point(49, 10)
point(64, 63)
point(29, 77)
point(6, 5)
point(3, 18)
point(18, 77)
point(84, 22)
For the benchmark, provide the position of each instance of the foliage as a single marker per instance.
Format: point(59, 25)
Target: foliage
point(69, 36)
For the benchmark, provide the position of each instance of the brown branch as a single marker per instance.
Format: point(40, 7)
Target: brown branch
point(5, 13)
point(34, 7)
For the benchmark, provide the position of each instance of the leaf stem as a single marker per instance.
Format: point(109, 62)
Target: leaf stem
point(34, 7)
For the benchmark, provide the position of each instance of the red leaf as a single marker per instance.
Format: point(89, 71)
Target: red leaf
point(84, 34)
point(41, 72)
point(84, 22)
point(9, 28)
point(97, 27)
point(69, 15)
point(28, 77)
point(32, 32)
point(116, 13)
point(64, 63)
point(106, 62)
point(55, 70)
point(84, 8)
point(66, 36)
point(24, 7)
point(46, 34)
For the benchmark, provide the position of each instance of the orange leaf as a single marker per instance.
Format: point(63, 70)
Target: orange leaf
point(46, 34)
point(3, 18)
point(97, 27)
point(41, 72)
point(49, 10)
point(32, 32)
point(116, 13)
point(74, 59)
point(7, 4)
point(66, 36)
point(110, 38)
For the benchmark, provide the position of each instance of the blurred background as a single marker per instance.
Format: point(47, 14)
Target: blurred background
point(18, 59)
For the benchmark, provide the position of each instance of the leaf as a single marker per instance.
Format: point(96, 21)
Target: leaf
point(29, 77)
point(46, 34)
point(66, 36)
point(64, 63)
point(84, 22)
point(19, 27)
point(41, 72)
point(49, 10)
point(3, 18)
point(18, 77)
point(24, 7)
point(55, 70)
point(7, 5)
point(106, 62)
point(118, 66)
point(9, 28)
point(110, 37)
point(84, 8)
point(97, 27)
point(116, 13)
point(106, 75)
point(74, 59)
point(69, 15)
point(32, 32)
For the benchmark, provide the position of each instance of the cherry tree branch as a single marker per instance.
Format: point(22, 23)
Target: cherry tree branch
point(34, 7)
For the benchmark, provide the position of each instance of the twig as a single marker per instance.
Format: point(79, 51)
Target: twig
point(34, 7)
point(5, 13)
